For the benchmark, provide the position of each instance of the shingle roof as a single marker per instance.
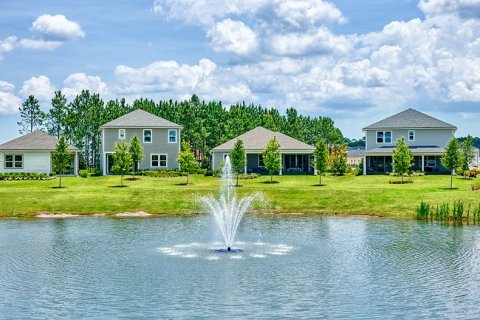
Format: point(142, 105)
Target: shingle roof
point(256, 139)
point(140, 119)
point(416, 150)
point(37, 140)
point(357, 152)
point(410, 119)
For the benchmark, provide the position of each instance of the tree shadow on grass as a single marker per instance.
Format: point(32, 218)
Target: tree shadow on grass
point(270, 182)
point(118, 186)
point(133, 179)
point(183, 184)
point(319, 185)
point(57, 187)
point(448, 188)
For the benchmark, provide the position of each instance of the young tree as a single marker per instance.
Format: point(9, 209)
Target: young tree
point(136, 152)
point(272, 158)
point(186, 159)
point(402, 158)
point(338, 159)
point(467, 154)
point(451, 158)
point(239, 158)
point(320, 158)
point(61, 159)
point(31, 115)
point(122, 160)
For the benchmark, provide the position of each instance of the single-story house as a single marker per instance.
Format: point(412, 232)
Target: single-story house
point(295, 155)
point(33, 153)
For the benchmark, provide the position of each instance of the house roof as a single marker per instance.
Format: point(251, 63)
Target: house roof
point(140, 119)
point(410, 119)
point(257, 138)
point(37, 140)
point(416, 150)
point(355, 152)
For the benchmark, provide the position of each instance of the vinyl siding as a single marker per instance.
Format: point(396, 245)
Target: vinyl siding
point(423, 137)
point(39, 162)
point(159, 145)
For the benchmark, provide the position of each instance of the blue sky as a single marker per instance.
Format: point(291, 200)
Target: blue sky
point(355, 61)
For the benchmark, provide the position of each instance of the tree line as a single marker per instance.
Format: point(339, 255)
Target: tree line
point(206, 124)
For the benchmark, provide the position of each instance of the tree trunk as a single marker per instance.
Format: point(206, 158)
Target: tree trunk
point(121, 180)
point(237, 179)
point(451, 180)
point(60, 184)
point(402, 178)
point(187, 178)
point(271, 178)
point(320, 175)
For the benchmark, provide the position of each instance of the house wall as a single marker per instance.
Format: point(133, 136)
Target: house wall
point(39, 162)
point(159, 145)
point(423, 137)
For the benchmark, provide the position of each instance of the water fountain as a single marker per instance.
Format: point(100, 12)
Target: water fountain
point(228, 210)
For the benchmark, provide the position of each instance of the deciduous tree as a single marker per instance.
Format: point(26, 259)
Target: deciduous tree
point(122, 160)
point(402, 158)
point(136, 152)
point(451, 158)
point(272, 157)
point(186, 160)
point(320, 158)
point(61, 159)
point(239, 158)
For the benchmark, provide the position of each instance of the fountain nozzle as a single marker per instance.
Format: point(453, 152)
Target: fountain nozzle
point(229, 249)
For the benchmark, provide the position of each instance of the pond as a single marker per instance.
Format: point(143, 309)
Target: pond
point(296, 267)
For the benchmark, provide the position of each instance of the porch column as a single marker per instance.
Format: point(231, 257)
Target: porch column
point(281, 163)
point(77, 163)
point(423, 163)
point(246, 162)
point(364, 165)
point(104, 162)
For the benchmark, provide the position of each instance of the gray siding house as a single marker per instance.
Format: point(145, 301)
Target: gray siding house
point(159, 137)
point(33, 153)
point(426, 137)
point(296, 155)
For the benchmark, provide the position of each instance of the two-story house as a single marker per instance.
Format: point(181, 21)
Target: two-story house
point(159, 137)
point(426, 137)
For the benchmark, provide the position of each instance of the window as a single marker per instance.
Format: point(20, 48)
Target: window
point(172, 136)
point(121, 134)
point(158, 161)
point(384, 136)
point(13, 161)
point(260, 161)
point(411, 135)
point(147, 135)
point(430, 161)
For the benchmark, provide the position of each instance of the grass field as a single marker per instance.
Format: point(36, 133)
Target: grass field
point(347, 195)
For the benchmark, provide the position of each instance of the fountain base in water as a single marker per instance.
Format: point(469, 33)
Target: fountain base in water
point(228, 250)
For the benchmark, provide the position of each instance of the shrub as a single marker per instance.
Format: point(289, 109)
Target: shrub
point(208, 173)
point(83, 173)
point(97, 172)
point(164, 173)
point(248, 176)
point(473, 173)
point(20, 176)
point(476, 185)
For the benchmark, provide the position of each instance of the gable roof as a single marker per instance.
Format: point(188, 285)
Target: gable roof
point(257, 138)
point(410, 119)
point(140, 119)
point(37, 140)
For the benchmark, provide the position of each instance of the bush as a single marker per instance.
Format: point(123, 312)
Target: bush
point(208, 173)
point(83, 173)
point(473, 173)
point(20, 176)
point(476, 185)
point(248, 176)
point(164, 173)
point(97, 172)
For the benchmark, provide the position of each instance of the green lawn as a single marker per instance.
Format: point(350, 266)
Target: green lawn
point(368, 195)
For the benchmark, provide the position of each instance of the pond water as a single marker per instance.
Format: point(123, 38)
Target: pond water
point(296, 267)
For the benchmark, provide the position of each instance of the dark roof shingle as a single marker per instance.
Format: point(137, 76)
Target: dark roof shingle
point(410, 119)
point(140, 119)
point(37, 140)
point(257, 138)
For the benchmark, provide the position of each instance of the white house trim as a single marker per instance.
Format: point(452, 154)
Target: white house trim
point(151, 135)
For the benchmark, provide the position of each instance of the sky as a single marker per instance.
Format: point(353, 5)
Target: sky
point(354, 61)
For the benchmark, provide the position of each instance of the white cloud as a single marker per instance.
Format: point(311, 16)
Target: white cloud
point(9, 102)
point(233, 36)
point(76, 82)
point(57, 28)
point(40, 87)
point(278, 27)
point(464, 8)
point(38, 44)
point(165, 79)
point(7, 45)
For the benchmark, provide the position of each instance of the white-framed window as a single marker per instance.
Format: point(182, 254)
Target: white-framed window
point(172, 136)
point(147, 136)
point(411, 135)
point(121, 134)
point(260, 161)
point(384, 136)
point(430, 161)
point(13, 161)
point(158, 160)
